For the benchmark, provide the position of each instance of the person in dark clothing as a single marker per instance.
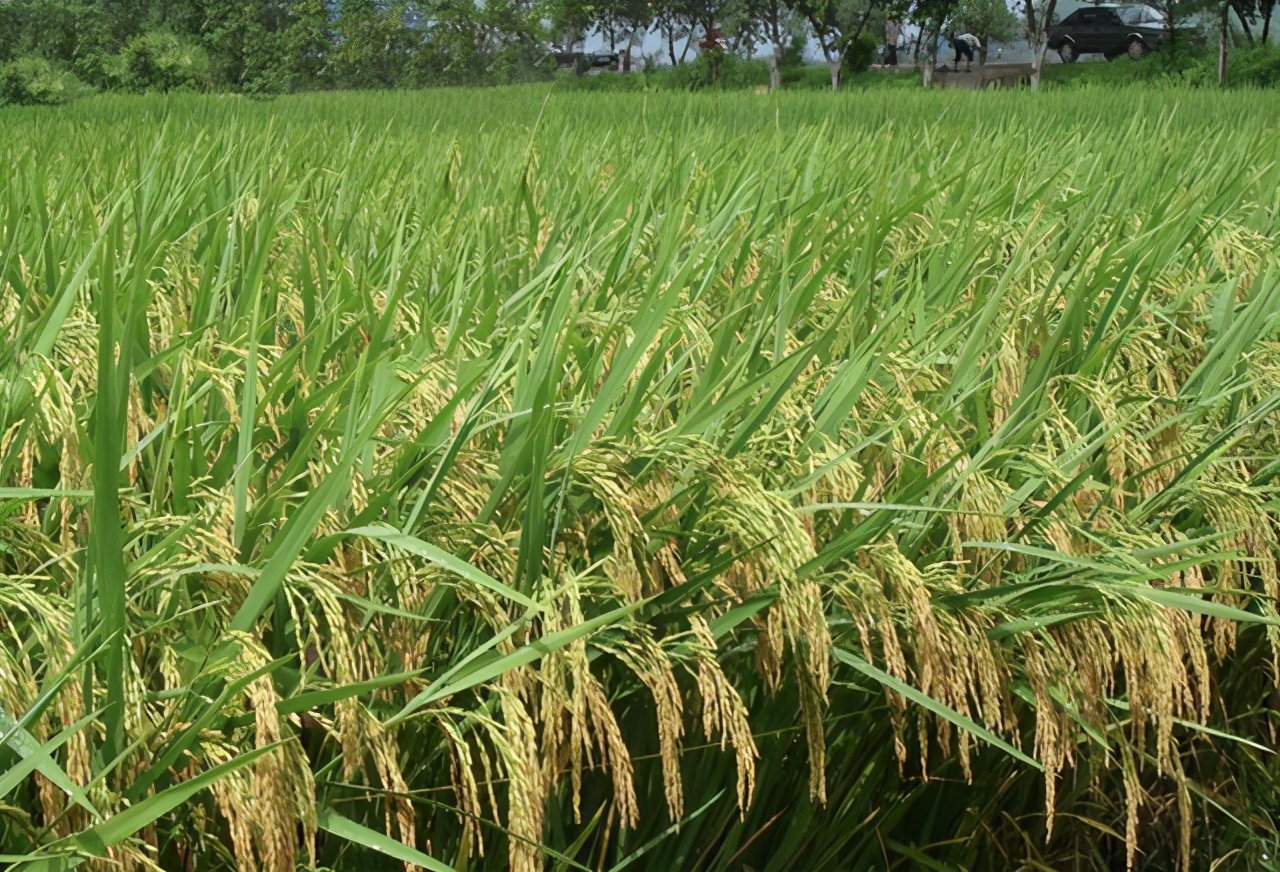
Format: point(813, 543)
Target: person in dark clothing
point(964, 46)
point(892, 31)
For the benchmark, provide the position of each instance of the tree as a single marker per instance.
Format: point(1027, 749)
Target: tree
point(374, 44)
point(570, 21)
point(244, 40)
point(1036, 20)
point(706, 18)
point(309, 41)
point(625, 22)
point(930, 16)
point(674, 21)
point(63, 31)
point(837, 25)
point(1178, 12)
point(986, 19)
point(781, 27)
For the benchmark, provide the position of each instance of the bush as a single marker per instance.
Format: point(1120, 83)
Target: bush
point(809, 77)
point(1259, 67)
point(33, 81)
point(1180, 63)
point(159, 61)
point(859, 54)
point(736, 73)
point(1197, 65)
point(605, 80)
point(102, 70)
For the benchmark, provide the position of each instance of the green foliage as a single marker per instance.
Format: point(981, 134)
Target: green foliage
point(1258, 67)
point(989, 20)
point(609, 81)
point(373, 44)
point(1187, 66)
point(859, 53)
point(806, 77)
point(734, 73)
point(33, 81)
point(58, 30)
point(161, 61)
point(250, 48)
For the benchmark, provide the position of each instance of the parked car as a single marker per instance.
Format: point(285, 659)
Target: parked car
point(1110, 30)
point(582, 62)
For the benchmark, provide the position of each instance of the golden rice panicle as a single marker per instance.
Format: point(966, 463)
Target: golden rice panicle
point(268, 806)
point(646, 660)
point(723, 710)
point(525, 791)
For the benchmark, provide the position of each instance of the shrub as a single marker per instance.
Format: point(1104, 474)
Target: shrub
point(605, 80)
point(1197, 66)
point(736, 73)
point(33, 81)
point(159, 61)
point(102, 70)
point(1259, 67)
point(859, 53)
point(809, 77)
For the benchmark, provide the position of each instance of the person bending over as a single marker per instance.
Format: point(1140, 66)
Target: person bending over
point(965, 45)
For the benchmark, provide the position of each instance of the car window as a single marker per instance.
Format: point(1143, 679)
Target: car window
point(1152, 16)
point(1133, 14)
point(1107, 16)
point(1074, 17)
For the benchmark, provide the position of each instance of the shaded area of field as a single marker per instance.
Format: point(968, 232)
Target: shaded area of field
point(986, 76)
point(689, 482)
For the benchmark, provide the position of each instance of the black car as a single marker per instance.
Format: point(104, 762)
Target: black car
point(1110, 30)
point(581, 62)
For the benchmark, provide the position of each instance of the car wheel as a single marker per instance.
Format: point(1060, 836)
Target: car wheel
point(1067, 51)
point(1136, 49)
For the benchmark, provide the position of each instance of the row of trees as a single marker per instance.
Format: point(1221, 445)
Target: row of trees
point(845, 31)
point(271, 45)
point(274, 45)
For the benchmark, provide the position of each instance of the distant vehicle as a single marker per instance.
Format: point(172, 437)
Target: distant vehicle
point(1110, 30)
point(584, 61)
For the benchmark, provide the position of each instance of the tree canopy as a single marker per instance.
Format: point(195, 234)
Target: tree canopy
point(263, 46)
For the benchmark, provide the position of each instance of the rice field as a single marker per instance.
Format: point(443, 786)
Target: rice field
point(512, 479)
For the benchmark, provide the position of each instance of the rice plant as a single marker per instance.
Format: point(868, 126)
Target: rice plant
point(512, 479)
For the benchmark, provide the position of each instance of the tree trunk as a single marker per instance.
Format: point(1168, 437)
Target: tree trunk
point(1040, 44)
point(835, 74)
point(1266, 23)
point(1244, 25)
point(1222, 45)
point(627, 59)
point(775, 71)
point(982, 55)
point(671, 45)
point(927, 50)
